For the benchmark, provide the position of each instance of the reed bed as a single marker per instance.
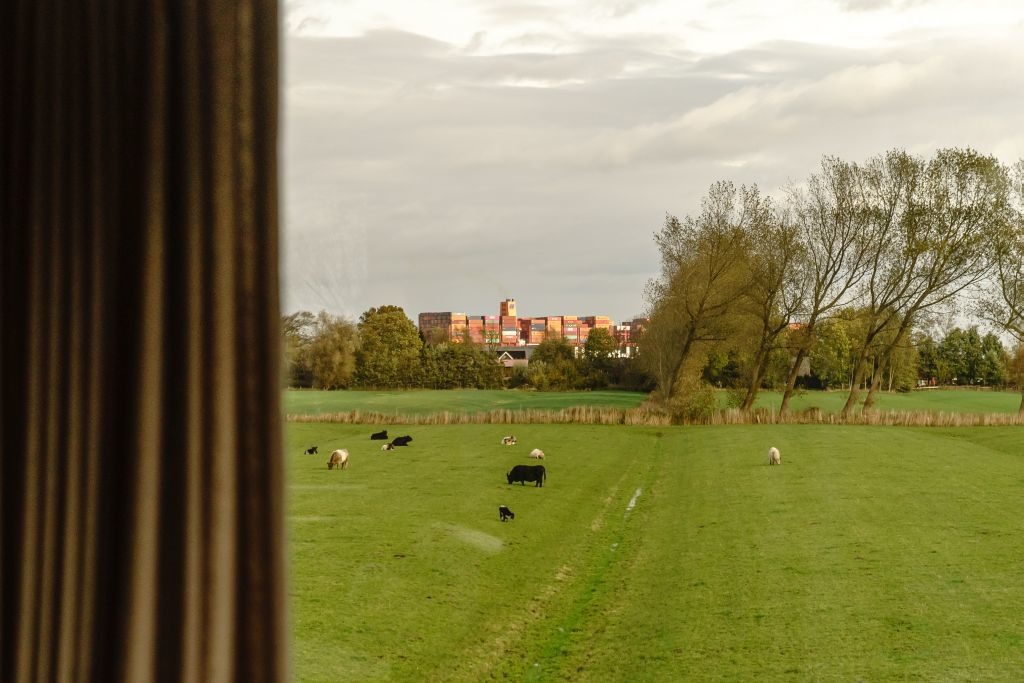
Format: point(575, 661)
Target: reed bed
point(648, 415)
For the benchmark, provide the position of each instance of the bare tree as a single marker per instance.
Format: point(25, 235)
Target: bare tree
point(833, 223)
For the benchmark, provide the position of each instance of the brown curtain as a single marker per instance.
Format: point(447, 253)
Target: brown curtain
point(141, 522)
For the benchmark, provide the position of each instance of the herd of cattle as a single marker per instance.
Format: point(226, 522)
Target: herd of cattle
point(536, 474)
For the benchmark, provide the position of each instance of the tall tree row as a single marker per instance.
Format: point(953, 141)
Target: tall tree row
point(888, 243)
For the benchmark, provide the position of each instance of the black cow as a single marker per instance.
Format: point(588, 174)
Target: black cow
point(401, 441)
point(379, 435)
point(505, 513)
point(525, 473)
point(311, 450)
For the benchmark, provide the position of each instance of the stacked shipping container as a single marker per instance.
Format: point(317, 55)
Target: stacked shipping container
point(507, 329)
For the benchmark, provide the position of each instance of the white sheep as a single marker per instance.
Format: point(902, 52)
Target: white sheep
point(774, 457)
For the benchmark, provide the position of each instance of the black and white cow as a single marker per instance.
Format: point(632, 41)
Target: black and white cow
point(505, 513)
point(311, 450)
point(525, 473)
point(508, 440)
point(387, 447)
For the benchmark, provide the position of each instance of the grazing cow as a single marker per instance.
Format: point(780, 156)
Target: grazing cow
point(388, 447)
point(774, 458)
point(376, 436)
point(525, 473)
point(401, 441)
point(339, 459)
point(311, 450)
point(505, 513)
point(537, 453)
point(508, 441)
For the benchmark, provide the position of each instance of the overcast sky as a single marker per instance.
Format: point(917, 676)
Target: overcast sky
point(444, 155)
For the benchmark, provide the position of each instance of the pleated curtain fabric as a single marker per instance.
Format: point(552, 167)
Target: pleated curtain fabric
point(141, 520)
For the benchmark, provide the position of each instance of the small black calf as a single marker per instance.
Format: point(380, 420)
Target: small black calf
point(505, 513)
point(311, 450)
point(379, 435)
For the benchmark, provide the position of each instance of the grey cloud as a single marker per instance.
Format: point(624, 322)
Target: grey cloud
point(874, 5)
point(414, 174)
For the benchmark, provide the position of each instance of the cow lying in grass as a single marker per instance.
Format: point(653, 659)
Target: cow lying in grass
point(774, 457)
point(505, 513)
point(508, 441)
point(401, 441)
point(388, 447)
point(376, 436)
point(339, 459)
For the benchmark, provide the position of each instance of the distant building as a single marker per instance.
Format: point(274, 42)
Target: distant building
point(514, 356)
point(507, 330)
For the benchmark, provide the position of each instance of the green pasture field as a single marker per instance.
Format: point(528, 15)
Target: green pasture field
point(658, 554)
point(419, 401)
point(946, 400)
point(314, 402)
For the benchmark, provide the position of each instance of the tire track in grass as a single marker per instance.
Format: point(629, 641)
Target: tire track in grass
point(503, 650)
point(573, 629)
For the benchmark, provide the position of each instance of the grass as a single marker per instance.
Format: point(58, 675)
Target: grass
point(315, 402)
point(946, 400)
point(872, 553)
point(464, 401)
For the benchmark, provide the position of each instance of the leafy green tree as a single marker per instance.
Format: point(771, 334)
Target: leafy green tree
point(600, 345)
point(777, 291)
point(832, 353)
point(598, 359)
point(1015, 367)
point(927, 357)
point(331, 353)
point(553, 366)
point(389, 351)
point(319, 350)
point(833, 225)
point(952, 352)
point(553, 350)
point(963, 207)
point(459, 365)
point(703, 276)
point(995, 361)
point(724, 367)
point(297, 331)
point(887, 194)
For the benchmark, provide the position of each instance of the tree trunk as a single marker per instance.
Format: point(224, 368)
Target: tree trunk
point(858, 377)
point(670, 390)
point(760, 366)
point(876, 381)
point(801, 353)
point(1020, 411)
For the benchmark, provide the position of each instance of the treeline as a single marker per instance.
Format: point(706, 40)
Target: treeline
point(958, 358)
point(842, 275)
point(384, 350)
